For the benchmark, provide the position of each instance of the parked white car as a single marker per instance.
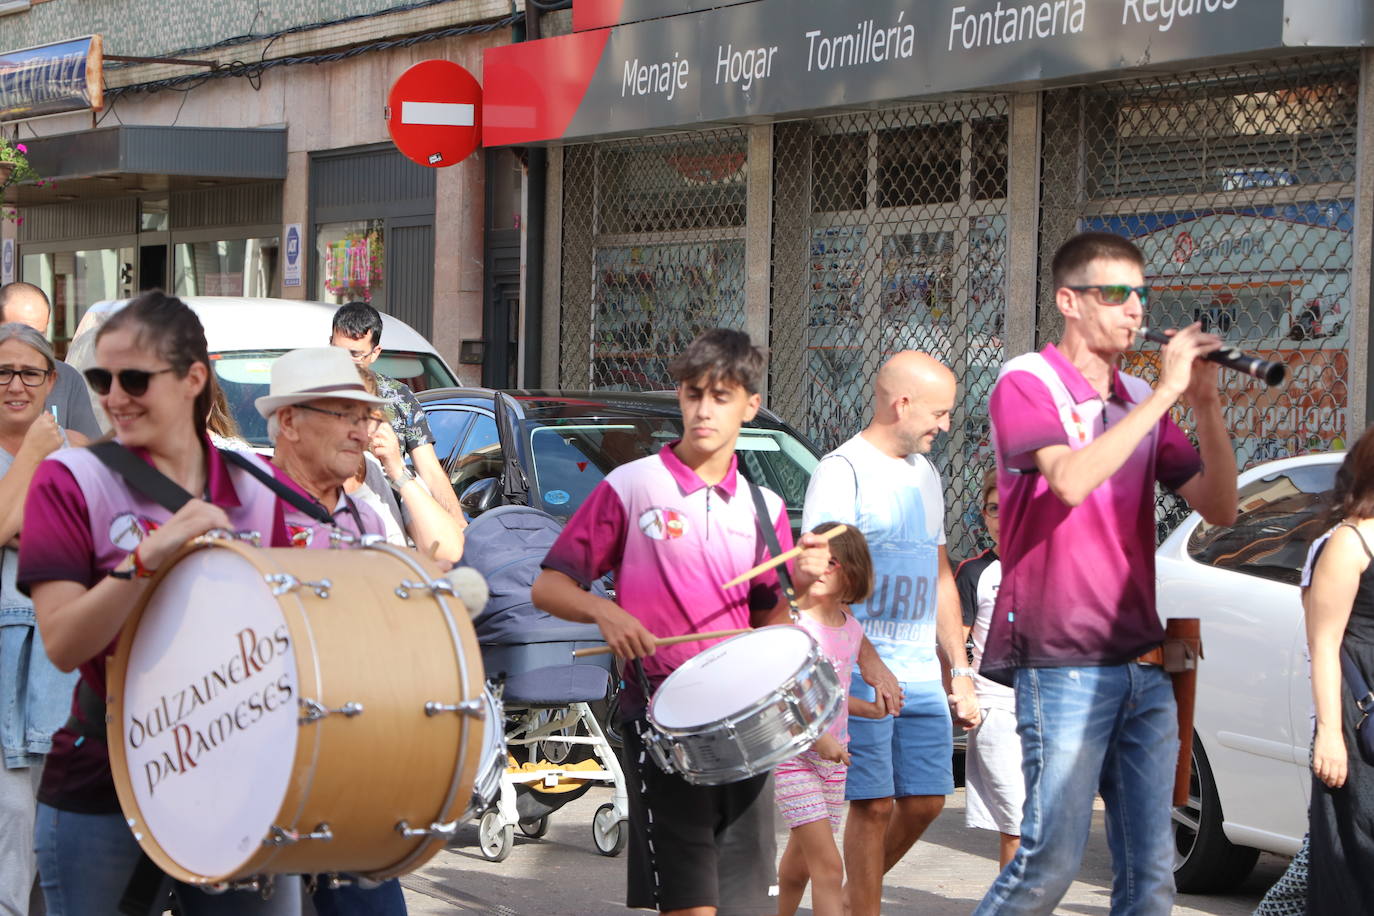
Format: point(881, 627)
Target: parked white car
point(1253, 724)
point(246, 335)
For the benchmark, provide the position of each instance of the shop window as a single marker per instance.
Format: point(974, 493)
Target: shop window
point(919, 165)
point(669, 186)
point(75, 280)
point(227, 267)
point(989, 154)
point(839, 172)
point(352, 258)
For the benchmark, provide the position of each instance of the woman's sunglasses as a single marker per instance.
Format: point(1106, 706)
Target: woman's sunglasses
point(134, 382)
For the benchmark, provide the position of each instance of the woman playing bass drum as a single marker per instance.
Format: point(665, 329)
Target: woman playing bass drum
point(89, 544)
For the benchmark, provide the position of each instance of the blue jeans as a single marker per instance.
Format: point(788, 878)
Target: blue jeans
point(384, 900)
point(1112, 730)
point(85, 861)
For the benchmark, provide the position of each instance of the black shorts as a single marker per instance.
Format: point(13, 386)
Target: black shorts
point(697, 845)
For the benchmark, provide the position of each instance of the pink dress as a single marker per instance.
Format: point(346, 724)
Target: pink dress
point(808, 787)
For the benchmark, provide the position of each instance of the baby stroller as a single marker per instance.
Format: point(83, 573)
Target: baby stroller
point(555, 747)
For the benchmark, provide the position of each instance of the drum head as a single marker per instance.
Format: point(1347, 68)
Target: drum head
point(208, 724)
point(729, 677)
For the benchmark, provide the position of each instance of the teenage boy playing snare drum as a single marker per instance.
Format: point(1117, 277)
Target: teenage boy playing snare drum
point(673, 527)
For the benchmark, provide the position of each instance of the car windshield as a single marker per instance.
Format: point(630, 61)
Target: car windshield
point(570, 456)
point(245, 376)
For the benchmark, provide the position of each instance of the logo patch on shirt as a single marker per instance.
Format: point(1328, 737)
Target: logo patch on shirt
point(301, 535)
point(663, 524)
point(127, 530)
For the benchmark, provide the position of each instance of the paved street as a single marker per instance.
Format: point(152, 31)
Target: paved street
point(562, 874)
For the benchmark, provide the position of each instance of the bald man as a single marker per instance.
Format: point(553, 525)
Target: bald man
point(27, 304)
point(882, 482)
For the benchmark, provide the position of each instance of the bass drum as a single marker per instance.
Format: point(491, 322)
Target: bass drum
point(286, 711)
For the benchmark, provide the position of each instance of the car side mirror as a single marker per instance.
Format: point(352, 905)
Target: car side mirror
point(483, 495)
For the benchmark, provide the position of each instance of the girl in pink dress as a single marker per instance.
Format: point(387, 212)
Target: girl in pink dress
point(810, 787)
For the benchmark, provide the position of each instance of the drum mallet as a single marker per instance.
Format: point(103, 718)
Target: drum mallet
point(665, 641)
point(781, 558)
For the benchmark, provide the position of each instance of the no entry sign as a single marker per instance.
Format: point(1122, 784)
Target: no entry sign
point(434, 113)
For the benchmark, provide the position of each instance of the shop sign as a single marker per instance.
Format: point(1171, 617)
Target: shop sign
point(6, 261)
point(434, 113)
point(796, 57)
point(66, 76)
point(291, 274)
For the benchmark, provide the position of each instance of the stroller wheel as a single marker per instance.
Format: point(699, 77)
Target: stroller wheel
point(535, 827)
point(608, 830)
point(493, 838)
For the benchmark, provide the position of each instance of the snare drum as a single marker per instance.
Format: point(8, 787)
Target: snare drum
point(280, 711)
point(743, 706)
point(493, 762)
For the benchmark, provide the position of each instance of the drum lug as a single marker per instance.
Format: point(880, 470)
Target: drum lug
point(224, 534)
point(435, 587)
point(314, 710)
point(339, 538)
point(280, 836)
point(444, 830)
point(471, 708)
point(285, 582)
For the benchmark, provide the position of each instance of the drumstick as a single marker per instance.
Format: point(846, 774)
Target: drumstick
point(666, 641)
point(781, 558)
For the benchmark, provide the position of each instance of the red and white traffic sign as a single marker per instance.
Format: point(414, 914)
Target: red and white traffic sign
point(434, 113)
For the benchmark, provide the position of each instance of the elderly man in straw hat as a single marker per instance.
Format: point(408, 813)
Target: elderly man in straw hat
point(320, 419)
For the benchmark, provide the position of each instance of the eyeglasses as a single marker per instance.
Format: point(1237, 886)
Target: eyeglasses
point(31, 378)
point(991, 510)
point(1115, 293)
point(369, 422)
point(134, 382)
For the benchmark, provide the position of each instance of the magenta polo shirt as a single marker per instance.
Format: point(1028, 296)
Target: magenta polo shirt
point(672, 541)
point(1078, 584)
point(72, 538)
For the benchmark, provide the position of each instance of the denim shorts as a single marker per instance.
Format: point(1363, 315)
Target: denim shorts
point(910, 754)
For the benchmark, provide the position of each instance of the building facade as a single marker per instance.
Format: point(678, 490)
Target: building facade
point(250, 157)
point(846, 184)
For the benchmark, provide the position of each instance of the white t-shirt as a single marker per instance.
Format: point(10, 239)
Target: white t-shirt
point(991, 695)
point(899, 506)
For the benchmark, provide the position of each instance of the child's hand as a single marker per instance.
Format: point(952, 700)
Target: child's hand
point(827, 748)
point(867, 709)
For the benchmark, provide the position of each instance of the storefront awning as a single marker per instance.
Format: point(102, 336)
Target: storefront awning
point(770, 59)
point(90, 161)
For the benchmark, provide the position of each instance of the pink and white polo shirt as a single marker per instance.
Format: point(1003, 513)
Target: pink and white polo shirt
point(1078, 584)
point(673, 540)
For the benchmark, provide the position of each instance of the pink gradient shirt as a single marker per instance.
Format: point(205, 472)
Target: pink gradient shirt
point(672, 540)
point(1078, 584)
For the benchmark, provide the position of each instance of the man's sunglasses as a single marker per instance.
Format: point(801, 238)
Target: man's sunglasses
point(134, 382)
point(1115, 293)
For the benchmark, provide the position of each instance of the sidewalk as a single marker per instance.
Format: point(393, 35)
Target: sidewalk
point(946, 874)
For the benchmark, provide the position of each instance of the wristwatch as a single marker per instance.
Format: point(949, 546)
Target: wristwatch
point(401, 479)
point(962, 672)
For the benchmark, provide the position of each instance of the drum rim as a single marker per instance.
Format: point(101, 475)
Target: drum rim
point(813, 652)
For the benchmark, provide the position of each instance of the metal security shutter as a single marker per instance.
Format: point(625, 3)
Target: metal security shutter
point(410, 275)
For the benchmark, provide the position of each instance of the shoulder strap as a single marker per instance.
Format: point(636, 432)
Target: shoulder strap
point(770, 540)
point(308, 506)
point(1359, 534)
point(141, 475)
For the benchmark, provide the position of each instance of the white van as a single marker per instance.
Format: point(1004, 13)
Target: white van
point(246, 335)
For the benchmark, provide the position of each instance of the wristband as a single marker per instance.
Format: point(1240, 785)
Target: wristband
point(127, 573)
point(401, 479)
point(961, 672)
point(141, 571)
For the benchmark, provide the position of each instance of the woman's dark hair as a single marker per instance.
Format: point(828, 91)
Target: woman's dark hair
point(1353, 495)
point(167, 326)
point(850, 550)
point(221, 420)
point(722, 355)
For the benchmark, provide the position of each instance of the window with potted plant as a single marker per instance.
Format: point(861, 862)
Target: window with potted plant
point(14, 162)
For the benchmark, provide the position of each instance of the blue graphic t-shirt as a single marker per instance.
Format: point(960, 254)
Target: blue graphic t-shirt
point(899, 506)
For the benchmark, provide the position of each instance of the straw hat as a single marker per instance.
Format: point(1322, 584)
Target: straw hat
point(312, 374)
